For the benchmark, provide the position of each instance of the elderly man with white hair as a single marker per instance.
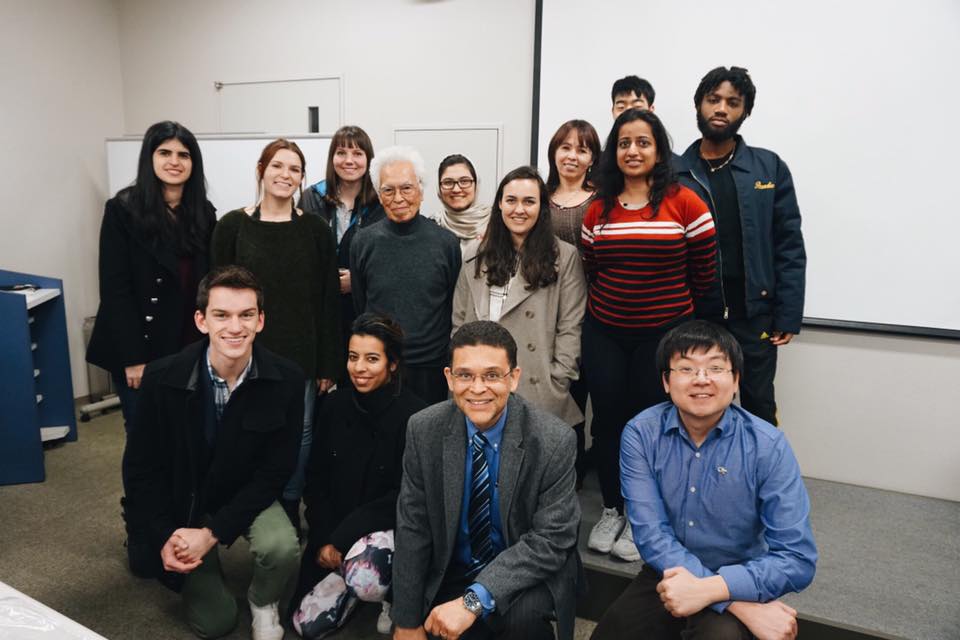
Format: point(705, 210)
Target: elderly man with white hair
point(407, 266)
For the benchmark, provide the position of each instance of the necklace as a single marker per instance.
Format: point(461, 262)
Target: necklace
point(714, 168)
point(570, 201)
point(634, 207)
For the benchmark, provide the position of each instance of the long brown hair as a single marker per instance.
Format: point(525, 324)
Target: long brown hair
point(537, 260)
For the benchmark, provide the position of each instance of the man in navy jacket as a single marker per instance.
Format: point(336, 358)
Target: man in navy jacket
point(759, 296)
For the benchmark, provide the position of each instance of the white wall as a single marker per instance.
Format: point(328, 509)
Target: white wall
point(405, 62)
point(873, 410)
point(60, 79)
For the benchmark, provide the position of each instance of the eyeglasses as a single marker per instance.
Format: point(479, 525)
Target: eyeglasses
point(447, 184)
point(406, 191)
point(712, 373)
point(488, 378)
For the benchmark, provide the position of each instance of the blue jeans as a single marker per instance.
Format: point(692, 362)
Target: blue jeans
point(294, 489)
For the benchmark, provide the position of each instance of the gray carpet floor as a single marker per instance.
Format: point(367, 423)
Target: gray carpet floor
point(61, 542)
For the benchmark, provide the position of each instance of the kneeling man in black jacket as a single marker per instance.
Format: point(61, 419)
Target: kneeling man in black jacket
point(215, 439)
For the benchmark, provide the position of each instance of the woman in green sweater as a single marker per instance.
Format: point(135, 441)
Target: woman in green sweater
point(294, 257)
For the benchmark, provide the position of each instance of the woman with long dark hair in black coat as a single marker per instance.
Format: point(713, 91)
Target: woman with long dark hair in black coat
point(154, 244)
point(154, 250)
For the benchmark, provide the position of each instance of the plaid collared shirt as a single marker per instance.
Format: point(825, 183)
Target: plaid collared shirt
point(221, 391)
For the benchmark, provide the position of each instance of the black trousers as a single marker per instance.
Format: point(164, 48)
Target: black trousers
point(759, 365)
point(428, 383)
point(623, 382)
point(578, 390)
point(528, 617)
point(639, 613)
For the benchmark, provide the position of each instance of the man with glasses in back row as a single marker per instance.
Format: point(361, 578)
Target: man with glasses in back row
point(718, 509)
point(406, 267)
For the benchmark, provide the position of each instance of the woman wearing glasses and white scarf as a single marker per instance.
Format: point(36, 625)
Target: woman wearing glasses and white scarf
point(460, 213)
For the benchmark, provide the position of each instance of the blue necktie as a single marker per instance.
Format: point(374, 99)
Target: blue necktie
point(478, 515)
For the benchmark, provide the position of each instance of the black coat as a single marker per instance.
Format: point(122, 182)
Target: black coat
point(142, 307)
point(174, 479)
point(353, 477)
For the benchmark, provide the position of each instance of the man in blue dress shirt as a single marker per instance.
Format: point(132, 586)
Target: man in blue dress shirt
point(487, 515)
point(719, 511)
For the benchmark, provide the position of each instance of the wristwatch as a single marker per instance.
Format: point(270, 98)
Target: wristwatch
point(472, 603)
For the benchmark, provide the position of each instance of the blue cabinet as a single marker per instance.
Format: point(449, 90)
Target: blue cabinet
point(36, 389)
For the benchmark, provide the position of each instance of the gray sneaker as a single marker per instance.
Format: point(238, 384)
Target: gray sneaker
point(606, 531)
point(384, 623)
point(624, 548)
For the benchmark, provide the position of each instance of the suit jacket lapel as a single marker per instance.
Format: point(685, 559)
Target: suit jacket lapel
point(511, 460)
point(454, 461)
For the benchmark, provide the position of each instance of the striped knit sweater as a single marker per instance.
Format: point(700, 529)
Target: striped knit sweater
point(644, 272)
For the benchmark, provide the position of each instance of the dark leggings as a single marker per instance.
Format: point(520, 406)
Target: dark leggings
point(623, 382)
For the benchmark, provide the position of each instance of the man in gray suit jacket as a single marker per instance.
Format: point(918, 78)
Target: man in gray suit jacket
point(487, 516)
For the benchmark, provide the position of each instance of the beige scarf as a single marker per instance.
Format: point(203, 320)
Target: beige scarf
point(467, 224)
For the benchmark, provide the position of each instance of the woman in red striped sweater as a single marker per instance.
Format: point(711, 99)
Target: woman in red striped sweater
point(649, 248)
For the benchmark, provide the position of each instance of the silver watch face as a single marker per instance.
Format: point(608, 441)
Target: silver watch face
point(472, 602)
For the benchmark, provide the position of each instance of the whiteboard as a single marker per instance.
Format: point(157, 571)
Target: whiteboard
point(229, 164)
point(859, 98)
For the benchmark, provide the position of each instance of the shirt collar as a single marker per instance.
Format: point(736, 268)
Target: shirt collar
point(493, 435)
point(671, 422)
point(216, 378)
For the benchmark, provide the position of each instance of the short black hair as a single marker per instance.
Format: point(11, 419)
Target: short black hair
point(386, 330)
point(635, 85)
point(486, 333)
point(698, 335)
point(230, 276)
point(737, 76)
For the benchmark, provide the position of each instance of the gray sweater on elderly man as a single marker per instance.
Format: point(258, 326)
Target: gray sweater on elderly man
point(408, 271)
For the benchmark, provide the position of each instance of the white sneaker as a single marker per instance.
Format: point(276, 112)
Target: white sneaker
point(624, 548)
point(384, 623)
point(266, 622)
point(606, 531)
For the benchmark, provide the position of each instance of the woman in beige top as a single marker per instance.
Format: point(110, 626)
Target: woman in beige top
point(521, 276)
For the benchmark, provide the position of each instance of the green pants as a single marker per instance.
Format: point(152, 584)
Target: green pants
point(211, 608)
